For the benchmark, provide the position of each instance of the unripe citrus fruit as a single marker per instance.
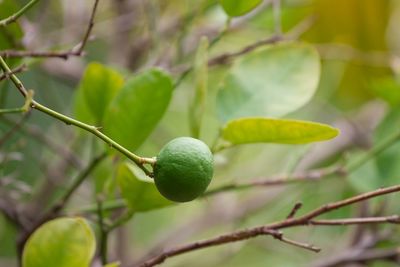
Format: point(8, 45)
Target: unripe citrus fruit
point(183, 169)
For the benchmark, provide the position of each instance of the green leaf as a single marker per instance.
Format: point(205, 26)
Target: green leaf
point(139, 192)
point(63, 242)
point(263, 130)
point(387, 162)
point(10, 36)
point(81, 109)
point(198, 106)
point(235, 8)
point(99, 85)
point(387, 88)
point(270, 82)
point(138, 107)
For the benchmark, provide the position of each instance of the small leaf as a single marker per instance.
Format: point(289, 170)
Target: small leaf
point(235, 8)
point(139, 192)
point(387, 88)
point(263, 130)
point(63, 242)
point(99, 84)
point(138, 108)
point(270, 82)
point(198, 105)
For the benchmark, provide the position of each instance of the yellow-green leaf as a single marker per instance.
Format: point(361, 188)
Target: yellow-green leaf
point(235, 8)
point(139, 192)
point(99, 85)
point(62, 242)
point(264, 130)
point(138, 107)
point(269, 82)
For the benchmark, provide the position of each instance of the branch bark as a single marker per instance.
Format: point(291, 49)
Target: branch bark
point(306, 219)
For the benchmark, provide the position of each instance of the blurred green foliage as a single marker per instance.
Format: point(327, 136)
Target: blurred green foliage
point(356, 65)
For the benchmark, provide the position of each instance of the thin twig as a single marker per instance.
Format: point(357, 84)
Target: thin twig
point(294, 210)
point(9, 211)
point(300, 244)
point(293, 34)
point(41, 137)
point(266, 229)
point(16, 70)
point(77, 52)
point(75, 184)
point(89, 28)
point(103, 232)
point(14, 129)
point(15, 16)
point(225, 58)
point(55, 209)
point(283, 179)
point(394, 219)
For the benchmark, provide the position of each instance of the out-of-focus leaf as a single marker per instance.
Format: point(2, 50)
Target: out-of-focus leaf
point(103, 176)
point(386, 88)
point(139, 192)
point(10, 35)
point(235, 8)
point(63, 242)
point(99, 85)
point(81, 109)
point(263, 130)
point(361, 28)
point(270, 82)
point(8, 234)
point(388, 162)
point(138, 107)
point(365, 178)
point(198, 105)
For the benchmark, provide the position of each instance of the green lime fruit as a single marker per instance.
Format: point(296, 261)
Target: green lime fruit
point(183, 169)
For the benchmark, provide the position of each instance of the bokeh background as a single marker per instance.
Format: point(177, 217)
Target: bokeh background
point(359, 92)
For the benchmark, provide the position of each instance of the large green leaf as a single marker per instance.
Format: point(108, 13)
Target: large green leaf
point(99, 85)
point(235, 8)
point(138, 107)
point(139, 192)
point(198, 105)
point(263, 130)
point(270, 82)
point(63, 242)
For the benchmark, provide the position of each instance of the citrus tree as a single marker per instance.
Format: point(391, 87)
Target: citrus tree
point(169, 127)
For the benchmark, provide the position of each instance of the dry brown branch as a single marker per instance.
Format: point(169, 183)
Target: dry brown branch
point(306, 219)
point(281, 179)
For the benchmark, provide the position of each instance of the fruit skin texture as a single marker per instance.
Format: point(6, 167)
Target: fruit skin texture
point(183, 169)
